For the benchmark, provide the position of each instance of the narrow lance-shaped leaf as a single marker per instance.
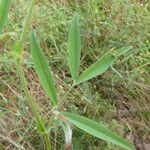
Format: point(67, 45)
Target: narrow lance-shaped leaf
point(98, 130)
point(74, 47)
point(4, 8)
point(101, 65)
point(42, 69)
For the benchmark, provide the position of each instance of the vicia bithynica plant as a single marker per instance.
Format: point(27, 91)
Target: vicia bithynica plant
point(63, 119)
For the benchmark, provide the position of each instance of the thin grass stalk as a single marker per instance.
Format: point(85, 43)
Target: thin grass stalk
point(47, 141)
point(33, 105)
point(24, 86)
point(30, 99)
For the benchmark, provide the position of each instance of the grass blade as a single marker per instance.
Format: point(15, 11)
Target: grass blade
point(74, 47)
point(4, 8)
point(42, 69)
point(97, 130)
point(101, 65)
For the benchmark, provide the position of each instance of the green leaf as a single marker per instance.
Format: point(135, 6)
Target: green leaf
point(42, 69)
point(101, 65)
point(4, 8)
point(97, 130)
point(74, 47)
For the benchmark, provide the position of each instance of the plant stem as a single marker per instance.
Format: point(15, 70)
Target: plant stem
point(40, 123)
point(30, 99)
point(47, 141)
point(24, 86)
point(67, 132)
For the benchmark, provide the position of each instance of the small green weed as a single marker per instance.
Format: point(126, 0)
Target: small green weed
point(118, 99)
point(97, 68)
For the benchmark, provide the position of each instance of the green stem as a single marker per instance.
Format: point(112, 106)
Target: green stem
point(24, 86)
point(39, 121)
point(47, 141)
point(30, 99)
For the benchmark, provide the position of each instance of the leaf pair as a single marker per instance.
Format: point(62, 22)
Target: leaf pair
point(74, 53)
point(4, 8)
